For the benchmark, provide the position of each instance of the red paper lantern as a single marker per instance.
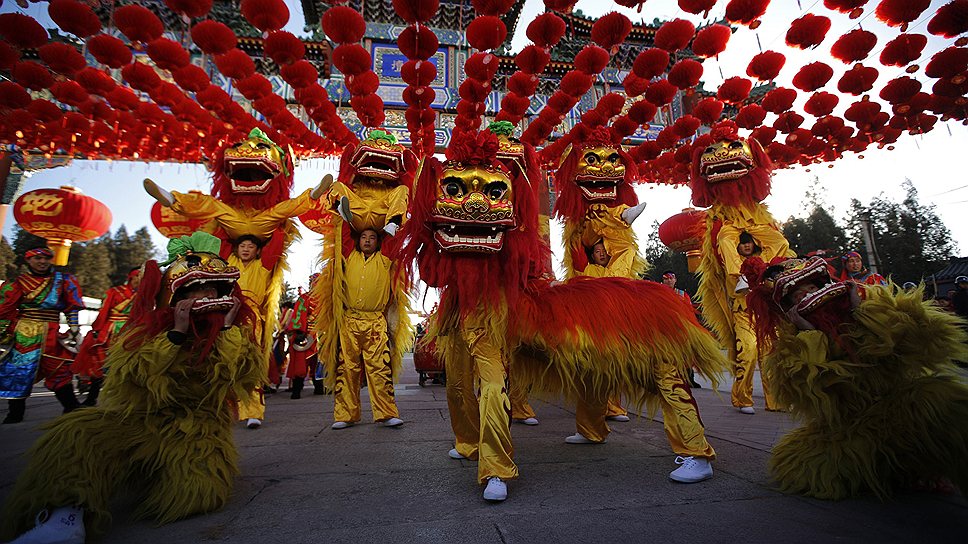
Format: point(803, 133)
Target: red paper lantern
point(611, 29)
point(807, 31)
point(213, 37)
point(766, 66)
point(22, 31)
point(683, 232)
point(950, 20)
point(138, 23)
point(75, 17)
point(62, 216)
point(171, 223)
point(546, 30)
point(903, 49)
point(746, 12)
point(109, 50)
point(674, 35)
point(853, 46)
point(650, 63)
point(900, 12)
point(266, 15)
point(711, 40)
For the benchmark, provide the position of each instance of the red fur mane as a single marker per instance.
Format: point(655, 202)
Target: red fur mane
point(279, 189)
point(747, 190)
point(570, 204)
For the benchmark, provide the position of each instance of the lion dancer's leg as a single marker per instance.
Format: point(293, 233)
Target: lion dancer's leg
point(462, 403)
point(614, 409)
point(590, 418)
point(683, 426)
point(349, 374)
point(521, 410)
point(744, 358)
point(396, 202)
point(495, 463)
point(376, 363)
point(252, 408)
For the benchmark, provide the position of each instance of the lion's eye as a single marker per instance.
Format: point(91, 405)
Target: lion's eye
point(591, 158)
point(496, 190)
point(735, 145)
point(710, 149)
point(262, 145)
point(453, 187)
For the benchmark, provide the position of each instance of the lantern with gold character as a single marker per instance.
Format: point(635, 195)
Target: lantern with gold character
point(62, 216)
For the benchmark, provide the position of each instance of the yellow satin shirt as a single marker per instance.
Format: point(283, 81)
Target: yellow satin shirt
point(367, 282)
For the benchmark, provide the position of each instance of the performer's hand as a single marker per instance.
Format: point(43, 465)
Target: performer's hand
point(233, 312)
point(183, 311)
point(798, 320)
point(854, 290)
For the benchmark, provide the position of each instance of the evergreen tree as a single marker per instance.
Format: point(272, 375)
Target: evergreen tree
point(23, 240)
point(129, 252)
point(93, 267)
point(661, 258)
point(817, 231)
point(288, 294)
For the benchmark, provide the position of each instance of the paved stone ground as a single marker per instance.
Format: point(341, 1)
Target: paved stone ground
point(303, 482)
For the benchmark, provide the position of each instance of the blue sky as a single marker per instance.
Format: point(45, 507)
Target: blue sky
point(931, 161)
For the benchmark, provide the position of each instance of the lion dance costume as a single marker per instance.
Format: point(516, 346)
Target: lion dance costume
point(164, 422)
point(474, 234)
point(868, 370)
point(251, 183)
point(597, 204)
point(732, 177)
point(368, 330)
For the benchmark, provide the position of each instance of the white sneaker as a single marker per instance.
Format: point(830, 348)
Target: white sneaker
point(340, 425)
point(527, 421)
point(391, 228)
point(454, 454)
point(621, 418)
point(496, 489)
point(64, 525)
point(692, 470)
point(747, 410)
point(393, 422)
point(579, 438)
point(253, 423)
point(631, 214)
point(343, 208)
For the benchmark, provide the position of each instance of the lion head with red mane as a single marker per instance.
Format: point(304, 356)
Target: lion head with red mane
point(732, 170)
point(254, 172)
point(378, 159)
point(473, 229)
point(596, 171)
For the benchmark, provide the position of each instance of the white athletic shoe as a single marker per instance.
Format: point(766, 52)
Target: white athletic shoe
point(620, 418)
point(393, 422)
point(253, 423)
point(633, 213)
point(579, 438)
point(496, 489)
point(527, 421)
point(747, 410)
point(692, 470)
point(343, 208)
point(64, 525)
point(391, 228)
point(454, 454)
point(340, 425)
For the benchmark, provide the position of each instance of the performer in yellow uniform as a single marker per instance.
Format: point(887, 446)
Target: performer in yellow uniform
point(253, 279)
point(364, 343)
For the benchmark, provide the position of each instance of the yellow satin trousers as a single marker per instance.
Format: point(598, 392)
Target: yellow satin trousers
point(745, 360)
point(364, 347)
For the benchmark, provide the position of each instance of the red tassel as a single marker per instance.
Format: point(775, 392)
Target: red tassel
point(416, 11)
point(532, 59)
point(351, 59)
point(343, 24)
point(853, 46)
point(284, 48)
point(13, 96)
point(735, 90)
point(138, 23)
point(903, 49)
point(685, 73)
point(779, 100)
point(32, 75)
point(74, 17)
point(643, 111)
point(591, 59)
point(299, 74)
point(821, 103)
point(61, 58)
point(900, 89)
point(951, 19)
point(674, 35)
point(858, 80)
point(22, 31)
point(750, 116)
point(168, 54)
point(266, 15)
point(611, 29)
point(746, 12)
point(212, 37)
point(711, 40)
point(235, 64)
point(486, 32)
point(650, 63)
point(418, 42)
point(766, 66)
point(697, 6)
point(661, 92)
point(807, 31)
point(900, 12)
point(813, 76)
point(546, 30)
point(708, 110)
point(947, 63)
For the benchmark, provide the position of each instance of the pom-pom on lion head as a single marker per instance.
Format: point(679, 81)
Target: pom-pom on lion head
point(474, 222)
point(254, 173)
point(732, 170)
point(595, 171)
